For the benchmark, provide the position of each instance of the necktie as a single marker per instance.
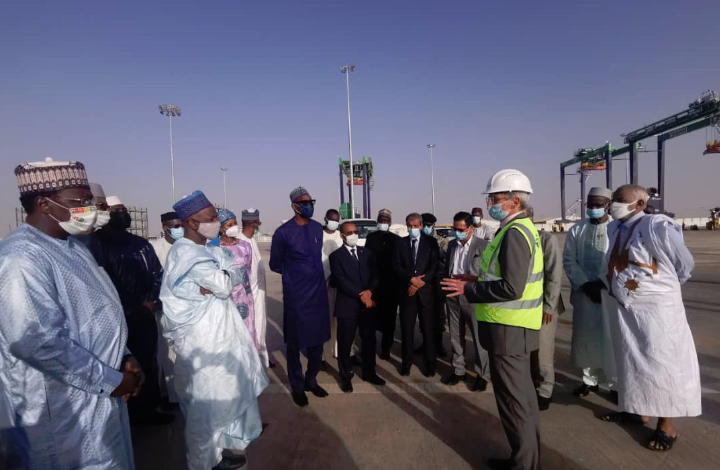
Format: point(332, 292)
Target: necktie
point(414, 249)
point(354, 255)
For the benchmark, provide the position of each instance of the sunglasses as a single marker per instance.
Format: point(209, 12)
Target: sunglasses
point(311, 202)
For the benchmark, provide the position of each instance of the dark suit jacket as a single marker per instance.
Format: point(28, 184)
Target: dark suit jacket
point(426, 263)
point(352, 277)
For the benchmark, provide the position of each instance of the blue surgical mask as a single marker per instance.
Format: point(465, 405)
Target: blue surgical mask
point(306, 211)
point(460, 235)
point(414, 232)
point(596, 213)
point(427, 230)
point(176, 233)
point(496, 212)
point(257, 230)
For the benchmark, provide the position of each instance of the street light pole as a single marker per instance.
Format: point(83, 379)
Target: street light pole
point(224, 170)
point(432, 175)
point(171, 110)
point(346, 69)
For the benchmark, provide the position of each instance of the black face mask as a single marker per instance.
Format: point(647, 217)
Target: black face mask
point(120, 220)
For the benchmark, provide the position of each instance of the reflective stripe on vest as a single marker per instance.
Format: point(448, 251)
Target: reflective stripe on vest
point(525, 312)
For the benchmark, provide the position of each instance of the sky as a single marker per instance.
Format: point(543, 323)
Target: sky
point(493, 85)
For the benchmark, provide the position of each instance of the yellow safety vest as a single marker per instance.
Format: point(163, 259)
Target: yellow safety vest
point(525, 312)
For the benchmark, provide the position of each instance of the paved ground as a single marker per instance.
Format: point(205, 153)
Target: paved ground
point(418, 423)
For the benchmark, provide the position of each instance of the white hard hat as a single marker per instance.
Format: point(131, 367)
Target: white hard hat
point(508, 180)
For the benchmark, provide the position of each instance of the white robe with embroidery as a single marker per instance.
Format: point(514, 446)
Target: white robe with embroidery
point(655, 353)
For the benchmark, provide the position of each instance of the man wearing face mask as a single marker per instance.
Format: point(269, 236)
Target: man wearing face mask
point(66, 370)
point(136, 272)
point(382, 243)
point(331, 242)
point(296, 254)
point(218, 373)
point(172, 231)
point(415, 263)
point(654, 351)
point(463, 262)
point(354, 274)
point(439, 313)
point(583, 260)
point(509, 298)
point(481, 231)
point(250, 228)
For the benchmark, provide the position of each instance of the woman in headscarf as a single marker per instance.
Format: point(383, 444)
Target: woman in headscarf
point(241, 252)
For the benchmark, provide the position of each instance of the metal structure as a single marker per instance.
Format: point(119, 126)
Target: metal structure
point(346, 69)
point(139, 221)
point(360, 174)
point(703, 112)
point(171, 110)
point(20, 216)
point(432, 175)
point(224, 171)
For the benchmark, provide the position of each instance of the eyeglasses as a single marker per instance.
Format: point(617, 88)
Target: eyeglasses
point(80, 202)
point(352, 232)
point(311, 202)
point(494, 200)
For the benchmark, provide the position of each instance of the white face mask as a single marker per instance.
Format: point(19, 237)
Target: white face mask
point(351, 240)
point(621, 210)
point(477, 219)
point(103, 217)
point(209, 230)
point(233, 232)
point(383, 227)
point(82, 219)
point(332, 225)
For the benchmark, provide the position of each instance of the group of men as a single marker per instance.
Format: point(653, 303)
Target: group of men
point(87, 300)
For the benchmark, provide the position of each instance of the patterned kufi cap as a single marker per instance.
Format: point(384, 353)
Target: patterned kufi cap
point(251, 214)
point(50, 176)
point(384, 213)
point(297, 192)
point(191, 205)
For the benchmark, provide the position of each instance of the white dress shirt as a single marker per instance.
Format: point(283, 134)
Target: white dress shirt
point(460, 258)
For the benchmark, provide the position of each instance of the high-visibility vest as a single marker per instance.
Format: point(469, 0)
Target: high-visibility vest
point(525, 312)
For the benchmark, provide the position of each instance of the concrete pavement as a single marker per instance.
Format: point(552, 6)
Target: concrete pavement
point(418, 423)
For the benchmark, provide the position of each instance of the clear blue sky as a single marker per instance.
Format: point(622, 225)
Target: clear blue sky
point(492, 84)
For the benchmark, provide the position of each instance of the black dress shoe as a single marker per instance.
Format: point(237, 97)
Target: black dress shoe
point(373, 379)
point(584, 390)
point(317, 390)
point(346, 386)
point(453, 379)
point(231, 462)
point(429, 372)
point(499, 464)
point(480, 385)
point(300, 399)
point(405, 370)
point(544, 403)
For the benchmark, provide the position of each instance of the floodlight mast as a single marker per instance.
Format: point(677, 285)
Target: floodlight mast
point(432, 176)
point(171, 110)
point(346, 69)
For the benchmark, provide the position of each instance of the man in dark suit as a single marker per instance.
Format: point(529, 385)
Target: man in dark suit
point(415, 262)
point(355, 277)
point(463, 262)
point(382, 243)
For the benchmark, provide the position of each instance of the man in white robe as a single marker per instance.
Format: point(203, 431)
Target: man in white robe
point(251, 227)
point(583, 260)
point(65, 371)
point(655, 353)
point(218, 374)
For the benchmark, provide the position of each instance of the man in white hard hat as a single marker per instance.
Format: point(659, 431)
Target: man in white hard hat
point(509, 298)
